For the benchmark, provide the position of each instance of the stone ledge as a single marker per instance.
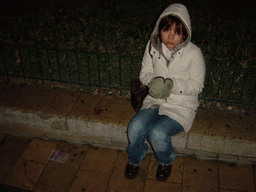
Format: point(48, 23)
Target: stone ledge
point(221, 145)
point(102, 120)
point(74, 130)
point(117, 144)
point(114, 135)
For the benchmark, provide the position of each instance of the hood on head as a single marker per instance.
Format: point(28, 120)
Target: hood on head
point(180, 11)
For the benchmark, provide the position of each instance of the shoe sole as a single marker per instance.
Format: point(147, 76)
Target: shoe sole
point(163, 179)
point(131, 177)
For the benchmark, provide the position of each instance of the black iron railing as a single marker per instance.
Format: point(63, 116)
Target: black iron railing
point(222, 84)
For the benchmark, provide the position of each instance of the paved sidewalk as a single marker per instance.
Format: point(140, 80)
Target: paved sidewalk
point(24, 166)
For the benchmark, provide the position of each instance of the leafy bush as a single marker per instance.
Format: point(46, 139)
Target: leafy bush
point(125, 26)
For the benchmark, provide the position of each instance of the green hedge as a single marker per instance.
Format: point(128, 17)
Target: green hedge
point(123, 27)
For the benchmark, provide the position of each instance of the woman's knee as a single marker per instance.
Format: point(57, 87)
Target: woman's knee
point(157, 136)
point(136, 128)
point(141, 121)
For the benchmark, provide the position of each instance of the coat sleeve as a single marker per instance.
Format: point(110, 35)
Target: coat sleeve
point(147, 68)
point(195, 83)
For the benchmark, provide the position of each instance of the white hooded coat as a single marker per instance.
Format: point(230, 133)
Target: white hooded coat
point(186, 68)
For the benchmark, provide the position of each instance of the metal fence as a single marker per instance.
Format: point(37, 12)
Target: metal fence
point(222, 84)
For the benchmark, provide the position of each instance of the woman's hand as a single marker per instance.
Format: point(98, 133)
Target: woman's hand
point(167, 89)
point(156, 87)
point(160, 88)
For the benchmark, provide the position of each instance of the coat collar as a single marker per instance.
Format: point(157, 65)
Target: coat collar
point(166, 54)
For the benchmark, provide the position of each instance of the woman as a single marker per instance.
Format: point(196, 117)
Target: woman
point(173, 68)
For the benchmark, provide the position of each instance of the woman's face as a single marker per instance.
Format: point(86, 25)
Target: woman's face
point(170, 37)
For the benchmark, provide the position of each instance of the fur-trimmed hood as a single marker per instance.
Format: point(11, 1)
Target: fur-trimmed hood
point(179, 11)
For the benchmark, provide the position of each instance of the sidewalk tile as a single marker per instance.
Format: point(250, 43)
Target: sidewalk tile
point(11, 149)
point(21, 97)
point(177, 169)
point(119, 183)
point(39, 150)
point(103, 109)
point(200, 175)
point(37, 99)
point(236, 177)
point(25, 174)
point(229, 125)
point(89, 181)
point(99, 160)
point(153, 186)
point(59, 102)
point(58, 176)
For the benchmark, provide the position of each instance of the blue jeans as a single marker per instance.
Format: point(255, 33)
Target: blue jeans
point(158, 129)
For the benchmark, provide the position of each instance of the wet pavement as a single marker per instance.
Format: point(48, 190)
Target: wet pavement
point(25, 166)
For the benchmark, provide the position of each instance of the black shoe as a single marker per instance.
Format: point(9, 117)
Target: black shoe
point(131, 171)
point(163, 172)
